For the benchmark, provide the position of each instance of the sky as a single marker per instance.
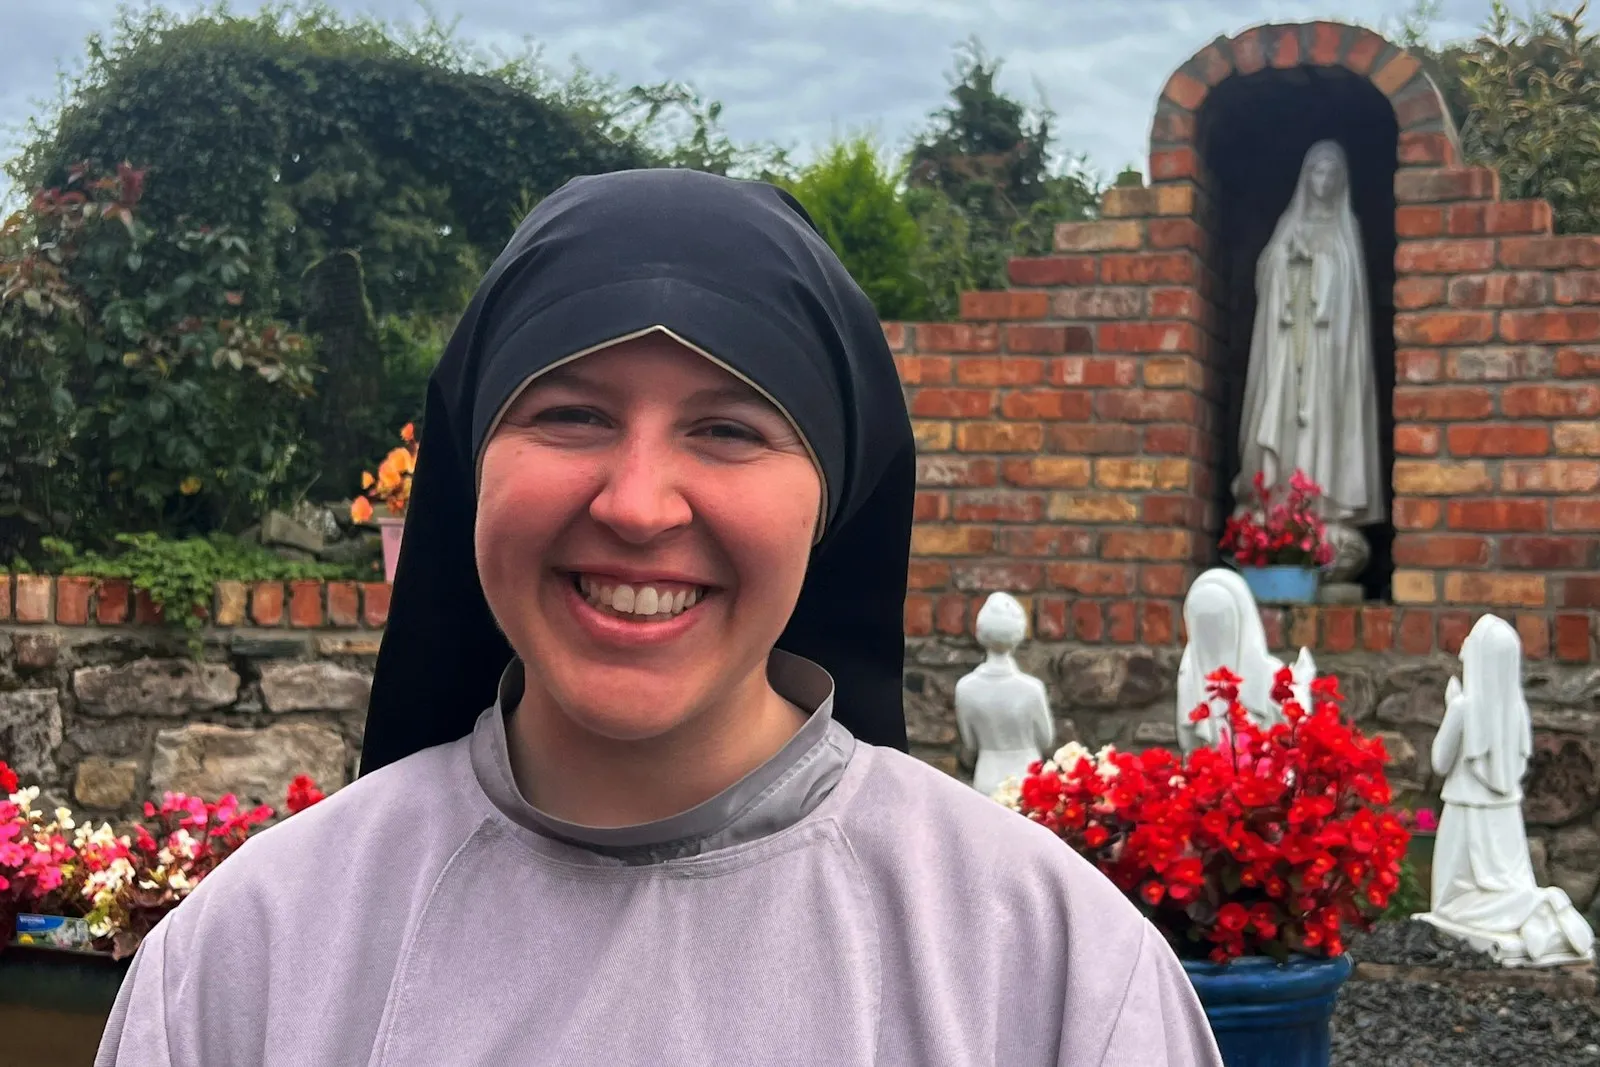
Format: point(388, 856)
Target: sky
point(800, 72)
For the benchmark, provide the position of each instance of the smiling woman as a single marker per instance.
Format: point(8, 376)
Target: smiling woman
point(633, 789)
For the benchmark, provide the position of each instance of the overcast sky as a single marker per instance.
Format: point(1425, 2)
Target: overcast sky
point(799, 71)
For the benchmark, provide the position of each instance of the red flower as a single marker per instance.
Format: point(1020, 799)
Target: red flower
point(303, 793)
point(8, 779)
point(1233, 918)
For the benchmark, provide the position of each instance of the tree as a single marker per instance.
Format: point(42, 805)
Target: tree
point(983, 186)
point(852, 196)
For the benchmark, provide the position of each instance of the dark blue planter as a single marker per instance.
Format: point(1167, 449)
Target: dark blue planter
point(1281, 585)
point(1266, 1014)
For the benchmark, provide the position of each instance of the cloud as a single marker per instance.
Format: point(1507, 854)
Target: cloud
point(799, 72)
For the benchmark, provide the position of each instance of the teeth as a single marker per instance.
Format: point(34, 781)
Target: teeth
point(644, 601)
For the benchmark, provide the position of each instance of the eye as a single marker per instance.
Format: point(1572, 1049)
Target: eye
point(729, 431)
point(565, 416)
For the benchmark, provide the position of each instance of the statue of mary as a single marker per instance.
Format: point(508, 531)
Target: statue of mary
point(1311, 400)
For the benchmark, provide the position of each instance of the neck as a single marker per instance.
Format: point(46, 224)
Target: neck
point(999, 659)
point(580, 777)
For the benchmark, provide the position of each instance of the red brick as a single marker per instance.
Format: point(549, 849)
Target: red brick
point(1005, 304)
point(1079, 339)
point(1036, 340)
point(1418, 220)
point(958, 337)
point(1498, 290)
point(1093, 579)
point(1396, 73)
point(895, 334)
point(344, 604)
point(1172, 125)
point(930, 507)
point(999, 437)
point(997, 506)
point(1551, 253)
point(146, 612)
point(1050, 618)
point(112, 601)
point(918, 615)
point(1101, 235)
point(1578, 438)
point(1417, 365)
point(1283, 49)
point(1339, 628)
point(1498, 439)
point(1276, 627)
point(1147, 405)
point(1546, 553)
point(1581, 591)
point(1248, 56)
point(1418, 291)
point(1377, 629)
point(930, 540)
point(1442, 404)
point(1147, 337)
point(1499, 590)
point(945, 471)
point(1578, 288)
point(34, 595)
point(1413, 514)
point(1071, 405)
point(5, 597)
point(1172, 440)
point(1163, 579)
point(953, 403)
point(1581, 515)
point(1441, 550)
point(1425, 149)
point(1175, 304)
point(1058, 472)
point(1176, 233)
point(1171, 511)
point(72, 600)
point(1416, 632)
point(926, 574)
point(1453, 629)
point(999, 371)
point(1465, 220)
point(1443, 327)
point(1122, 303)
point(993, 577)
point(1550, 326)
point(1155, 623)
point(375, 603)
point(1149, 268)
point(1094, 439)
point(1184, 91)
point(1122, 622)
point(1413, 440)
point(924, 370)
point(1303, 627)
point(1499, 516)
point(266, 603)
point(1572, 638)
point(1550, 401)
point(1088, 621)
point(1053, 270)
point(1056, 542)
point(1535, 633)
point(1327, 38)
point(1518, 216)
point(1550, 476)
point(1174, 163)
point(1578, 363)
point(1147, 544)
point(1416, 185)
point(950, 614)
point(1101, 372)
point(305, 603)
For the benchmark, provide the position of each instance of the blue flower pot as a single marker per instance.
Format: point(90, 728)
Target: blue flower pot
point(1267, 1014)
point(1281, 584)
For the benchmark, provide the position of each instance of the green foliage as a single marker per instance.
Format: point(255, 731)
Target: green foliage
point(307, 133)
point(180, 575)
point(139, 386)
point(1410, 898)
point(983, 188)
point(851, 194)
point(1526, 97)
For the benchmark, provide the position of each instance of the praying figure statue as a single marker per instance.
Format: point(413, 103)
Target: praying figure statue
point(1311, 396)
point(1001, 712)
point(1224, 629)
point(1483, 887)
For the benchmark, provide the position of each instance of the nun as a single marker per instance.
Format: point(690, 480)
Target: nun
point(634, 787)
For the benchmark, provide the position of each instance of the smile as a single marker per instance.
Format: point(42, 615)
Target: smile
point(642, 602)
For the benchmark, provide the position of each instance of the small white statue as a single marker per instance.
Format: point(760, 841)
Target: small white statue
point(1001, 712)
point(1484, 891)
point(1224, 629)
point(1311, 395)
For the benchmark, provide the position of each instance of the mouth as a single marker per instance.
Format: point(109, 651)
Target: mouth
point(653, 601)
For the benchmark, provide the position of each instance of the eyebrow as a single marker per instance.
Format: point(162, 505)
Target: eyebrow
point(734, 392)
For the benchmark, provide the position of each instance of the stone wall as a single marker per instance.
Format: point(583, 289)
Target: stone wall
point(104, 706)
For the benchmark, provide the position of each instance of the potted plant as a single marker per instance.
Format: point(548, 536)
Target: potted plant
point(391, 486)
point(1256, 859)
point(1279, 545)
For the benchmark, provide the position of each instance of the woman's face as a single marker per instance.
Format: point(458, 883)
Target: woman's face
point(1324, 178)
point(644, 523)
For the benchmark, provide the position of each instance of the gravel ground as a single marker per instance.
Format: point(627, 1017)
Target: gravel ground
point(1436, 1024)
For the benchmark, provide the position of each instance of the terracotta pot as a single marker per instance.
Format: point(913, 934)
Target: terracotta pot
point(391, 527)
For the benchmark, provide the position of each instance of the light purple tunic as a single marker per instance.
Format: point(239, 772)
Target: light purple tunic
point(842, 906)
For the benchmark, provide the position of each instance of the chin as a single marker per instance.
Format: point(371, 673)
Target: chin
point(628, 713)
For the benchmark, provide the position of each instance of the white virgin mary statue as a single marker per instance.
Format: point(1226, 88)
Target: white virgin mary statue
point(1224, 629)
point(1311, 400)
point(1483, 886)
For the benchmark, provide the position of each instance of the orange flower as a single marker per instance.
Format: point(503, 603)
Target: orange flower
point(361, 510)
point(408, 433)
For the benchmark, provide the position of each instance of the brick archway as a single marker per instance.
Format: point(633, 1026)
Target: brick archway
point(1427, 136)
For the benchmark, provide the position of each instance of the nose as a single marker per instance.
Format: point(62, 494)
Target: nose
point(642, 497)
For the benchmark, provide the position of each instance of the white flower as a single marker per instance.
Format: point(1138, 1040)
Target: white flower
point(64, 819)
point(1069, 754)
point(1010, 793)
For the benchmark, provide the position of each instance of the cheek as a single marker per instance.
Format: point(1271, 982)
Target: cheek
point(524, 497)
point(765, 519)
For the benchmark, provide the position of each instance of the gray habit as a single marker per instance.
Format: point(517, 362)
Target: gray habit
point(842, 905)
